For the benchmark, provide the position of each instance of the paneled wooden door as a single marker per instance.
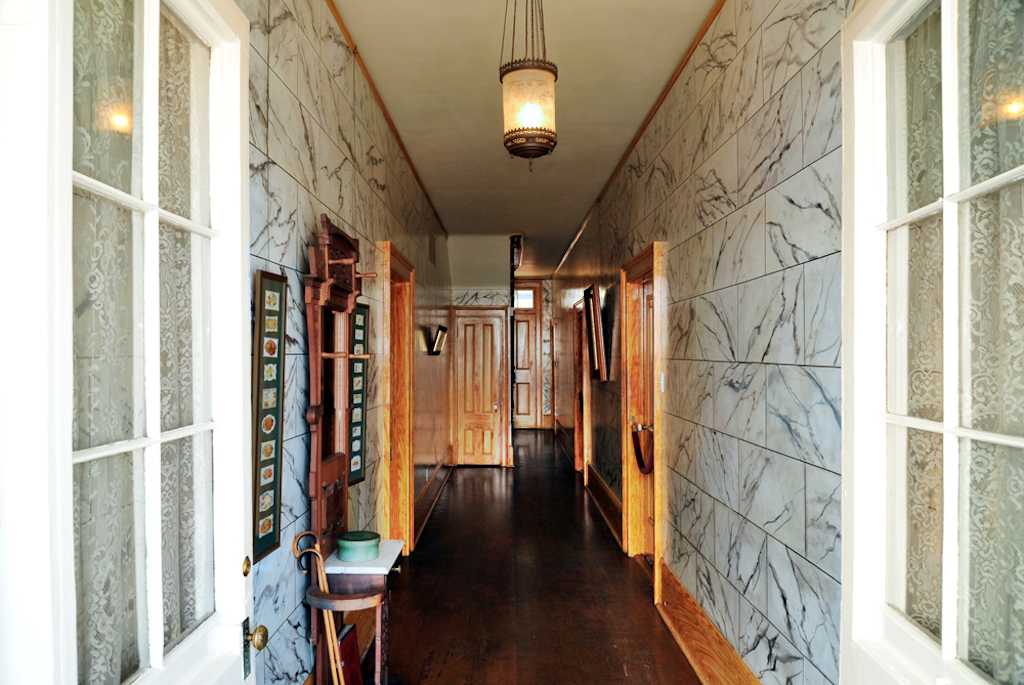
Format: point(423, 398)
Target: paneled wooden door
point(529, 374)
point(481, 386)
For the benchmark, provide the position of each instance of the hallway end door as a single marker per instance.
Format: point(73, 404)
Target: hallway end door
point(529, 377)
point(481, 386)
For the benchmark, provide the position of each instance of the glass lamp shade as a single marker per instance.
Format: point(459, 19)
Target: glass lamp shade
point(529, 104)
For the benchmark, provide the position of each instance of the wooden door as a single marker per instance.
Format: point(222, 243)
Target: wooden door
point(399, 374)
point(528, 373)
point(581, 373)
point(647, 402)
point(481, 384)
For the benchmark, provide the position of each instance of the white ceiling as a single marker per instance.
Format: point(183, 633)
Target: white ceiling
point(435, 65)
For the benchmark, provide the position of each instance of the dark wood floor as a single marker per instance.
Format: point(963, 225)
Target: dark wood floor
point(516, 579)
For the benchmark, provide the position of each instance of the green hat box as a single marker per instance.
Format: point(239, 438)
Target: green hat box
point(359, 545)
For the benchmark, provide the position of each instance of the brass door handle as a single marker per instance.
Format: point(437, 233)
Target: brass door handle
point(258, 638)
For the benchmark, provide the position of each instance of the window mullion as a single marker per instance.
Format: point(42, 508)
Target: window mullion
point(951, 330)
point(150, 169)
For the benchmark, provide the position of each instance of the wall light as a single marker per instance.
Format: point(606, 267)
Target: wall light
point(528, 84)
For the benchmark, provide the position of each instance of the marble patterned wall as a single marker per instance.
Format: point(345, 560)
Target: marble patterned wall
point(739, 176)
point(319, 144)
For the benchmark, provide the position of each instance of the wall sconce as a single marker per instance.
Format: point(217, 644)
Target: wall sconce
point(439, 339)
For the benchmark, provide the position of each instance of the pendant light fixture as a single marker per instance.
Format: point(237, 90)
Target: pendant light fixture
point(527, 83)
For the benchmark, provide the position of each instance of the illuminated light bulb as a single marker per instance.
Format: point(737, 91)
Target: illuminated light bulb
point(531, 116)
point(1014, 109)
point(120, 122)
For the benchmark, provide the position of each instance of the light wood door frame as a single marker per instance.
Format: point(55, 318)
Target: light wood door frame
point(581, 409)
point(397, 371)
point(504, 433)
point(649, 263)
point(537, 315)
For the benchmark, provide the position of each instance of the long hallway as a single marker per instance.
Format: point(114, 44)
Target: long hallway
point(517, 579)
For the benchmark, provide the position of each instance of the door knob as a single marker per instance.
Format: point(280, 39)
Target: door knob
point(495, 409)
point(258, 637)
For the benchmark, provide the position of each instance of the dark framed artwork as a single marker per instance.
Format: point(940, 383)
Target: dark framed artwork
point(357, 421)
point(595, 332)
point(270, 302)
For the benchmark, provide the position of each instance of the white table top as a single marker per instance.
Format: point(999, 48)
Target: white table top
point(382, 565)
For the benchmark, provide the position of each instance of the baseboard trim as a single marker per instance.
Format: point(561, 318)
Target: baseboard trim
point(713, 659)
point(607, 503)
point(425, 506)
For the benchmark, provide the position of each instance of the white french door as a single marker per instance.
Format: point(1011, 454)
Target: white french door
point(934, 342)
point(159, 340)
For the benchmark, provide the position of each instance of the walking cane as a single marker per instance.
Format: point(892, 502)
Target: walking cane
point(333, 653)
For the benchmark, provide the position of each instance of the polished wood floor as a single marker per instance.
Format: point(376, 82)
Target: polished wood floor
point(516, 579)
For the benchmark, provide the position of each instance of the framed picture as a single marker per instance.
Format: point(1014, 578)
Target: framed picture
point(358, 367)
point(595, 332)
point(267, 409)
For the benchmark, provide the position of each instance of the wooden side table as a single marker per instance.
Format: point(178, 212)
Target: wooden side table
point(355, 585)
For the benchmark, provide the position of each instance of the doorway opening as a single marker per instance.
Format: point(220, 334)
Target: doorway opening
point(528, 372)
point(641, 345)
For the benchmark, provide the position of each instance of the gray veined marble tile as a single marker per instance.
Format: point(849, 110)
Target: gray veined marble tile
point(335, 52)
point(771, 318)
point(740, 549)
point(740, 245)
point(273, 588)
point(804, 414)
point(307, 15)
point(716, 50)
point(740, 401)
point(772, 493)
point(793, 32)
point(714, 189)
point(692, 512)
point(688, 388)
point(823, 311)
point(682, 330)
point(804, 214)
point(291, 135)
point(317, 91)
point(296, 395)
point(719, 600)
point(289, 656)
point(741, 93)
point(294, 478)
point(717, 327)
point(283, 43)
point(772, 144)
point(690, 267)
point(258, 84)
point(824, 520)
point(804, 603)
point(750, 15)
point(257, 12)
point(295, 326)
point(821, 79)
point(282, 218)
point(681, 557)
point(813, 676)
point(683, 93)
point(718, 468)
point(698, 134)
point(681, 440)
point(659, 182)
point(335, 176)
point(259, 168)
point(769, 655)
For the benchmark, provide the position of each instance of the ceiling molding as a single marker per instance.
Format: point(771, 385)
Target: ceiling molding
point(384, 109)
point(705, 27)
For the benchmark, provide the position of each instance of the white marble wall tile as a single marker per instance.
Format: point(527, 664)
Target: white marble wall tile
point(690, 267)
point(259, 169)
point(804, 603)
point(335, 53)
point(283, 43)
point(771, 143)
point(718, 468)
point(741, 94)
point(824, 520)
point(698, 134)
point(716, 50)
point(274, 586)
point(335, 176)
point(793, 32)
point(680, 444)
point(771, 316)
point(317, 91)
point(289, 656)
point(740, 555)
point(680, 556)
point(750, 15)
point(295, 324)
point(823, 311)
point(296, 396)
point(821, 79)
point(772, 493)
point(307, 15)
point(717, 325)
point(804, 214)
point(740, 400)
point(688, 390)
point(284, 236)
point(719, 600)
point(257, 12)
point(813, 676)
point(692, 512)
point(294, 478)
point(481, 298)
point(683, 92)
point(740, 245)
point(681, 321)
point(291, 134)
point(259, 74)
point(804, 414)
point(659, 182)
point(769, 655)
point(715, 190)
